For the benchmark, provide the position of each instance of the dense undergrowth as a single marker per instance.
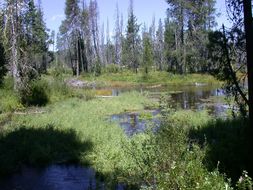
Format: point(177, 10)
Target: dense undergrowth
point(190, 150)
point(43, 91)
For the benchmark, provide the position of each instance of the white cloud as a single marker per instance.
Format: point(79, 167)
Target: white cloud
point(56, 17)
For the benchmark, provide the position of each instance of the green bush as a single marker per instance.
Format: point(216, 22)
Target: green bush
point(112, 68)
point(83, 94)
point(245, 182)
point(58, 71)
point(169, 158)
point(36, 94)
point(59, 90)
point(166, 160)
point(9, 100)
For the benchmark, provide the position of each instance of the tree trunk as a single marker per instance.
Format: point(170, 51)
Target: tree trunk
point(182, 48)
point(77, 56)
point(249, 47)
point(14, 47)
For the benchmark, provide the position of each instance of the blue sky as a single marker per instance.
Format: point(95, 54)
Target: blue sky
point(144, 10)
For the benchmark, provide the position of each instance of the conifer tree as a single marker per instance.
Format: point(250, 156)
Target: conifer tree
point(132, 40)
point(147, 60)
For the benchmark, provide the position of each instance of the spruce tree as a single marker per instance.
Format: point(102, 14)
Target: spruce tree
point(147, 61)
point(132, 40)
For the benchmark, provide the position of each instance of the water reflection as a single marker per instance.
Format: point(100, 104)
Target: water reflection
point(134, 123)
point(55, 177)
point(196, 98)
point(182, 97)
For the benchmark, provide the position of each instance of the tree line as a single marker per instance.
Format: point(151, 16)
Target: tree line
point(178, 44)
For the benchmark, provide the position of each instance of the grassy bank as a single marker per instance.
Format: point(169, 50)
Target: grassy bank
point(126, 78)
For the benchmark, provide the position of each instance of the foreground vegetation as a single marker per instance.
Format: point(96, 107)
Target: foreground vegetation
point(181, 154)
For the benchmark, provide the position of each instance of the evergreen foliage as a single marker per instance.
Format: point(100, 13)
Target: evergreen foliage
point(147, 60)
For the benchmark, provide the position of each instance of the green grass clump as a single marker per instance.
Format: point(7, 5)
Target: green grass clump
point(189, 119)
point(9, 101)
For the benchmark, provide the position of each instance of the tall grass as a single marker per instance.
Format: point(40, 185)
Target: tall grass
point(163, 78)
point(9, 100)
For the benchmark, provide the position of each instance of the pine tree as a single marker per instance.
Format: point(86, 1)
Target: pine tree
point(171, 46)
point(177, 12)
point(147, 60)
point(25, 39)
point(36, 36)
point(192, 21)
point(159, 47)
point(132, 40)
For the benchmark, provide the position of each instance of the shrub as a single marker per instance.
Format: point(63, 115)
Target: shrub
point(166, 160)
point(97, 68)
point(245, 182)
point(9, 100)
point(59, 90)
point(112, 68)
point(36, 94)
point(84, 94)
point(58, 71)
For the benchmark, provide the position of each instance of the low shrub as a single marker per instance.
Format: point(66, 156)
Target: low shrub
point(166, 160)
point(112, 68)
point(84, 94)
point(9, 100)
point(36, 94)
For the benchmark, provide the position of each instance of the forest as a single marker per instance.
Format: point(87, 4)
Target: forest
point(165, 105)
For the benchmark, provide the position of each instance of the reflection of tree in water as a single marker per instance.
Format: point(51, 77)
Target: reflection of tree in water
point(133, 120)
point(189, 100)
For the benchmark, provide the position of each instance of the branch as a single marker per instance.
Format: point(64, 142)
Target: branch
point(233, 75)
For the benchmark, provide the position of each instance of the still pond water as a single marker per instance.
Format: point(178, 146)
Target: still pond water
point(71, 177)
